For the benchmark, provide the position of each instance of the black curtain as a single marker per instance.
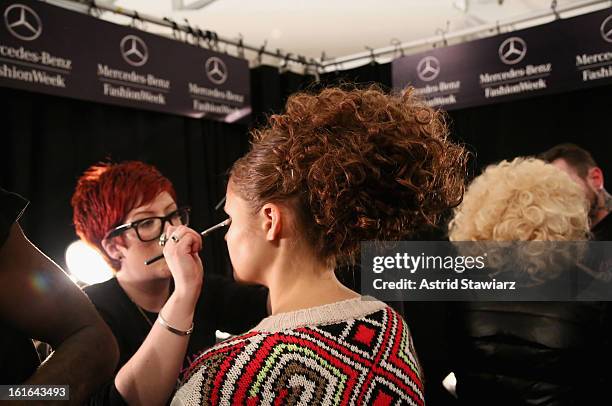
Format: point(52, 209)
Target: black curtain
point(271, 88)
point(530, 126)
point(371, 73)
point(49, 141)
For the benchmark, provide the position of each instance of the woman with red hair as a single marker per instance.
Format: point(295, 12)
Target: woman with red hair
point(162, 313)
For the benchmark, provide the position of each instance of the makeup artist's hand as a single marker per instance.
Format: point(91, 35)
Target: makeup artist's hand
point(181, 253)
point(148, 378)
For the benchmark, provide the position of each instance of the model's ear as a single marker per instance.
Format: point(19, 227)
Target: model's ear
point(272, 221)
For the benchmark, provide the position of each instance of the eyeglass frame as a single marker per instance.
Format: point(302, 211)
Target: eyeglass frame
point(134, 224)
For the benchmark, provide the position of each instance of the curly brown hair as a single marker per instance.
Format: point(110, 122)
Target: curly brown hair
point(357, 164)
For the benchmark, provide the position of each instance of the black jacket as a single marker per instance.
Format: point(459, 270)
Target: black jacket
point(531, 353)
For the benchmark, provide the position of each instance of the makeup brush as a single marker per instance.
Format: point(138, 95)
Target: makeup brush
point(203, 234)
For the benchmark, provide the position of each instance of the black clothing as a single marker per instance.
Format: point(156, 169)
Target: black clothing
point(603, 230)
point(12, 207)
point(530, 353)
point(18, 356)
point(223, 305)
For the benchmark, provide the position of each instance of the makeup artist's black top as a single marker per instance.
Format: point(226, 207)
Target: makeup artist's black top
point(18, 357)
point(224, 305)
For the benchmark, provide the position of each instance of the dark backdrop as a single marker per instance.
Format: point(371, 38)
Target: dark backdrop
point(49, 141)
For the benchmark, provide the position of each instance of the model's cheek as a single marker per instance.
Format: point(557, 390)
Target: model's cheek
point(240, 253)
point(231, 247)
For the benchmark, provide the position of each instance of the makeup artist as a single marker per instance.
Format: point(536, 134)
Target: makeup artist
point(161, 313)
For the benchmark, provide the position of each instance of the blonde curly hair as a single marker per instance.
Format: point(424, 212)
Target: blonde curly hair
point(523, 200)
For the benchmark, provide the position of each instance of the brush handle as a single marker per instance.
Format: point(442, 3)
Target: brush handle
point(203, 234)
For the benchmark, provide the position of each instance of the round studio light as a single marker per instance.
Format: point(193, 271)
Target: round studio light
point(86, 265)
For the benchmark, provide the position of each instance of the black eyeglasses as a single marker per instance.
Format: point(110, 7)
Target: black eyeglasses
point(151, 228)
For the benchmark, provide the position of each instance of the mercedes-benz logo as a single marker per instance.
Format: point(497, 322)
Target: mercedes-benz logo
point(606, 29)
point(134, 50)
point(216, 70)
point(428, 68)
point(512, 50)
point(22, 22)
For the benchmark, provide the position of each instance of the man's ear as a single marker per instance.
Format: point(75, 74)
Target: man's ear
point(113, 248)
point(272, 221)
point(595, 178)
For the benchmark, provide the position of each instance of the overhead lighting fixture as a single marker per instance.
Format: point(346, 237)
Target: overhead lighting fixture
point(194, 5)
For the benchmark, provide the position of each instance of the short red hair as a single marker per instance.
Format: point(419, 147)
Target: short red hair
point(107, 192)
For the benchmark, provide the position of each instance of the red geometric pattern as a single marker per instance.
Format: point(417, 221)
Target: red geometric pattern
point(364, 334)
point(366, 360)
point(382, 399)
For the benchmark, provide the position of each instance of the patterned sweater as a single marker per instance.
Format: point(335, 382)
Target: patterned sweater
point(357, 351)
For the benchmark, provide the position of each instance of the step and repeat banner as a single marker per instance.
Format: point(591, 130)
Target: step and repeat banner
point(48, 49)
point(564, 55)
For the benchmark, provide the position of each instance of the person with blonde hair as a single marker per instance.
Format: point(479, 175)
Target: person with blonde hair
point(522, 200)
point(526, 353)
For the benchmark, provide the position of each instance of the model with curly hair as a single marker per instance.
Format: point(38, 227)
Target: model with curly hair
point(337, 168)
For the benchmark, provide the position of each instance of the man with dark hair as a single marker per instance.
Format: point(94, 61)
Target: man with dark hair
point(581, 166)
